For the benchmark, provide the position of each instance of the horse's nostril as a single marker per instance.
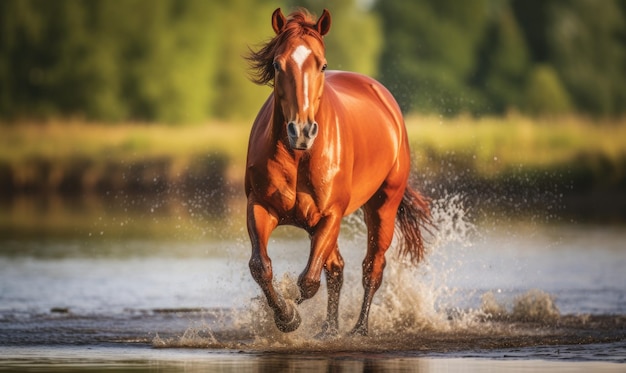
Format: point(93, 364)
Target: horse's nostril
point(292, 129)
point(313, 130)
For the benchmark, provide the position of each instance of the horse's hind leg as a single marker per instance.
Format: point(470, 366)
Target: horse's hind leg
point(333, 269)
point(380, 213)
point(260, 225)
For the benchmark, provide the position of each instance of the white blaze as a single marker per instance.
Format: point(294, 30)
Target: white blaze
point(300, 55)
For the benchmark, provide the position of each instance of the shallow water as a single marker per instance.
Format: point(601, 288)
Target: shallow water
point(506, 296)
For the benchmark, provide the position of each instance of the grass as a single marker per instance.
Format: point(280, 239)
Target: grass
point(495, 145)
point(62, 142)
point(488, 147)
point(477, 153)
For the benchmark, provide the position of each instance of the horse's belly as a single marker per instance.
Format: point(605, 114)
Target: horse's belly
point(361, 193)
point(371, 171)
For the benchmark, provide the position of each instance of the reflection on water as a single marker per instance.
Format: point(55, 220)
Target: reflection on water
point(489, 290)
point(69, 359)
point(172, 214)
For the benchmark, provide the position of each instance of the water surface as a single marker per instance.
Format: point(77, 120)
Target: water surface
point(504, 296)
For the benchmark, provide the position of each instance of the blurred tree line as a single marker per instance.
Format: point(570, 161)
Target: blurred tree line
point(490, 56)
point(181, 61)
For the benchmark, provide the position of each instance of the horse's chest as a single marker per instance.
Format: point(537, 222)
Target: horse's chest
point(295, 196)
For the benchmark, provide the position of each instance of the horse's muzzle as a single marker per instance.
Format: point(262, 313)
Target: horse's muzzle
point(301, 136)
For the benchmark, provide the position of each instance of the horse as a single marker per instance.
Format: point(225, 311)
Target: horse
point(324, 144)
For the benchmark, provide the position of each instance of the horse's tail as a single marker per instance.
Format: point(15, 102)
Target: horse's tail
point(413, 218)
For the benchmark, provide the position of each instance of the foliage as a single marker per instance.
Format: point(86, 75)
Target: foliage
point(544, 93)
point(161, 60)
point(181, 61)
point(429, 52)
point(478, 55)
point(583, 41)
point(502, 63)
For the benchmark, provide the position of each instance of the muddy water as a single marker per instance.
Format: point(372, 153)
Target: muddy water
point(495, 295)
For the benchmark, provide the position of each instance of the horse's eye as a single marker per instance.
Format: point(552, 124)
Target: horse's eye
point(324, 66)
point(276, 66)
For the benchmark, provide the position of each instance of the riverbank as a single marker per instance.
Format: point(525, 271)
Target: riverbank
point(572, 163)
point(564, 167)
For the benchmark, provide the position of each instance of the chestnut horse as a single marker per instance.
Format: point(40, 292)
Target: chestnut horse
point(323, 145)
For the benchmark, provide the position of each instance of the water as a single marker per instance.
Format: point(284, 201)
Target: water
point(503, 295)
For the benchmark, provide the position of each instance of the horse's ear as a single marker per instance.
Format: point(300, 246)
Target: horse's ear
point(278, 20)
point(323, 23)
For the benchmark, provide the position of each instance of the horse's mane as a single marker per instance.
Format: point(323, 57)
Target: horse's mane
point(299, 23)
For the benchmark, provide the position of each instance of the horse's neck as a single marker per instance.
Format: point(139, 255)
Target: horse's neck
point(277, 126)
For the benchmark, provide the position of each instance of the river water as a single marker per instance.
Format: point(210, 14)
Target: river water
point(497, 294)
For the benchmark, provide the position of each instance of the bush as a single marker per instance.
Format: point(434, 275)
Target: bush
point(544, 92)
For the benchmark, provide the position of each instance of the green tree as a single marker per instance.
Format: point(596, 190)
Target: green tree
point(243, 24)
point(37, 63)
point(503, 62)
point(162, 60)
point(430, 52)
point(584, 42)
point(544, 92)
point(590, 54)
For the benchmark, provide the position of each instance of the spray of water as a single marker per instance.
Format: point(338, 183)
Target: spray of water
point(413, 302)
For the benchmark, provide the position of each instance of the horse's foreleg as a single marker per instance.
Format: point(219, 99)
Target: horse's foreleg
point(323, 244)
point(260, 225)
point(324, 256)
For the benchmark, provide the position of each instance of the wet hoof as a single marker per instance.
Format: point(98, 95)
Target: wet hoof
point(308, 288)
point(359, 331)
point(289, 323)
point(327, 333)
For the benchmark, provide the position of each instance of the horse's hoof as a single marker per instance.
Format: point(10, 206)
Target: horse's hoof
point(359, 331)
point(289, 323)
point(308, 288)
point(327, 333)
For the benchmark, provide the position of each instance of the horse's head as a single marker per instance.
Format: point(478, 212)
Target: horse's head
point(298, 69)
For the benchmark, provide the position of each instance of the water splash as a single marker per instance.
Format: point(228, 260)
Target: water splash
point(412, 301)
point(197, 336)
point(532, 306)
point(418, 298)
